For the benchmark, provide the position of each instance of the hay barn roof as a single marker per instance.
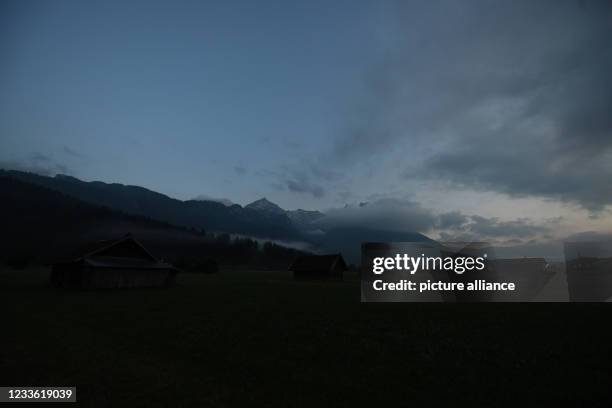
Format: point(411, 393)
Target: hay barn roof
point(125, 252)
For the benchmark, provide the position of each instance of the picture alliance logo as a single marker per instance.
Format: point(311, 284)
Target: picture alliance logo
point(407, 263)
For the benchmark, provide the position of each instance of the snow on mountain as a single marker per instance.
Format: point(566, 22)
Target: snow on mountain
point(263, 204)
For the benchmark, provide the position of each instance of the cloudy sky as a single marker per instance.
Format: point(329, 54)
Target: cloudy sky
point(487, 119)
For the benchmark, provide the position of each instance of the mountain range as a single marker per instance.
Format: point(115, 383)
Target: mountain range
point(302, 219)
point(42, 226)
point(260, 219)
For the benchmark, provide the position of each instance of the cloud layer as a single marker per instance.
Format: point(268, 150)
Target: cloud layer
point(512, 97)
point(36, 163)
point(406, 216)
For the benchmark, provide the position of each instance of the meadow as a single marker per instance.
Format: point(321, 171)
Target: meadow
point(253, 338)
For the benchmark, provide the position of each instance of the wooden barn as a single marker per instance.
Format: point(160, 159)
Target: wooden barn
point(319, 267)
point(122, 263)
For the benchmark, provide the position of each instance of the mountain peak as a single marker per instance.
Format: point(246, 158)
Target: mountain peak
point(263, 204)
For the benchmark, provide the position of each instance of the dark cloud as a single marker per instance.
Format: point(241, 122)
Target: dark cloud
point(384, 214)
point(73, 153)
point(292, 144)
point(37, 163)
point(304, 185)
point(299, 180)
point(240, 170)
point(453, 219)
point(513, 97)
point(40, 158)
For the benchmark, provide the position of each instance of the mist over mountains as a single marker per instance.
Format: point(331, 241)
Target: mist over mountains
point(260, 219)
point(302, 219)
point(44, 226)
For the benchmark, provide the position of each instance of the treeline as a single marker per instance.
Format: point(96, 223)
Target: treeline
point(223, 250)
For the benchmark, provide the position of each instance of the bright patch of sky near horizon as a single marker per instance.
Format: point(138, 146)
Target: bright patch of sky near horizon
point(247, 99)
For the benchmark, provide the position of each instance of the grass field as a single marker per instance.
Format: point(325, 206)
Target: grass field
point(260, 339)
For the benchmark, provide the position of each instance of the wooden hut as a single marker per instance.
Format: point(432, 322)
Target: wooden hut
point(121, 263)
point(319, 267)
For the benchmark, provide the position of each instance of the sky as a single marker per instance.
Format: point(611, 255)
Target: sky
point(472, 119)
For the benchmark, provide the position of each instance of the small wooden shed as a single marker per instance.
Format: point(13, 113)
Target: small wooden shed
point(319, 267)
point(121, 263)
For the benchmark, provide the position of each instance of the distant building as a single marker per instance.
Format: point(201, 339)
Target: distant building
point(122, 263)
point(321, 267)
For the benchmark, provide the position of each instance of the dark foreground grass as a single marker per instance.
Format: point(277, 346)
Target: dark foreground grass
point(260, 339)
